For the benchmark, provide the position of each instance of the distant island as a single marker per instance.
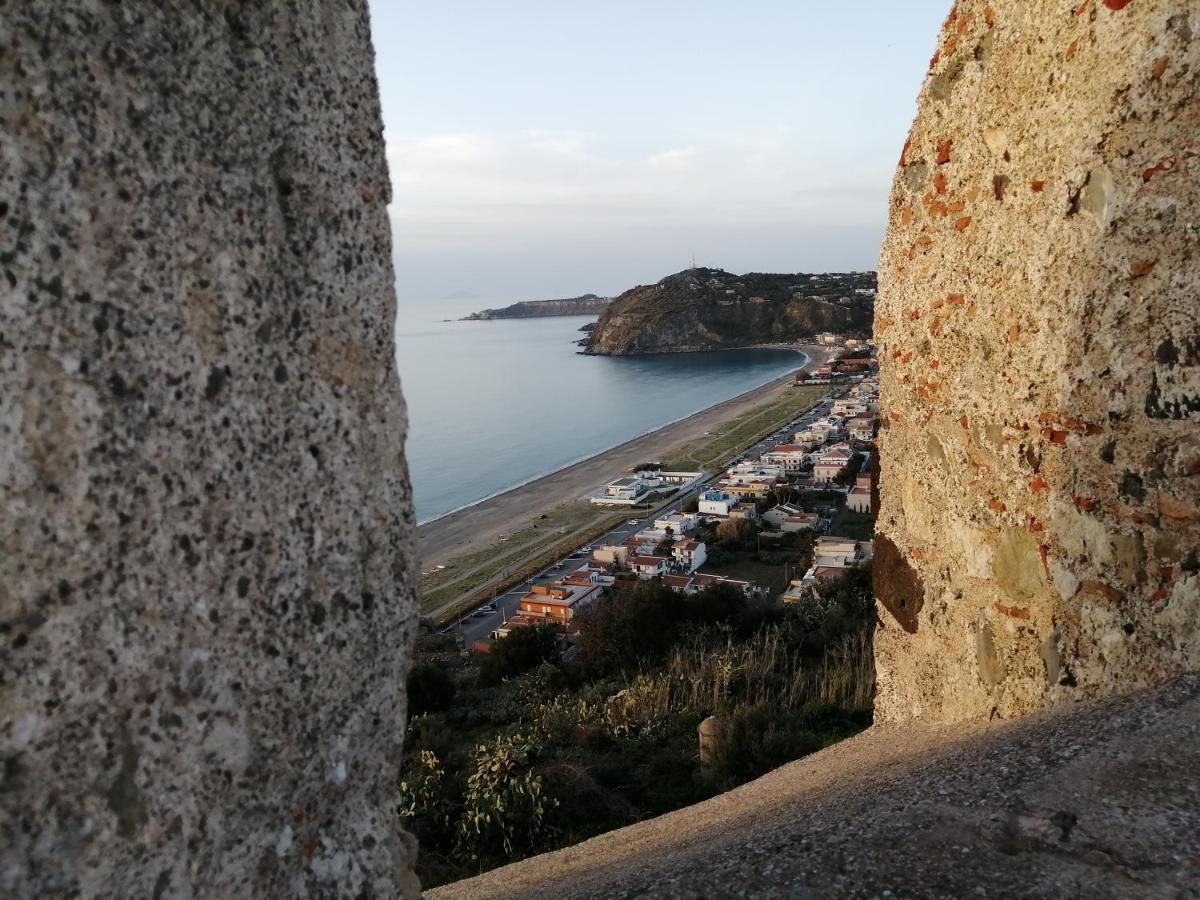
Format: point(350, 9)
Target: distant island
point(584, 305)
point(711, 309)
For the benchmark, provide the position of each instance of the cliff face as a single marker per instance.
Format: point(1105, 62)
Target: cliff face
point(710, 309)
point(205, 523)
point(1037, 324)
point(584, 305)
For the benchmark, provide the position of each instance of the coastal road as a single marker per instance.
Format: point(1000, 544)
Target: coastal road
point(481, 622)
point(480, 525)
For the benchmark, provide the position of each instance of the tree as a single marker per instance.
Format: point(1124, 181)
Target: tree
point(523, 649)
point(631, 626)
point(430, 689)
point(850, 470)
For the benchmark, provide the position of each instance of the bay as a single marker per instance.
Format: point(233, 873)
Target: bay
point(494, 404)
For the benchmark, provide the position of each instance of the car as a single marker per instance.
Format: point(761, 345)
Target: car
point(466, 621)
point(479, 613)
point(633, 522)
point(488, 608)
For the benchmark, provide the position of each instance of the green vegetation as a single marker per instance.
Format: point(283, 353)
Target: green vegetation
point(469, 578)
point(744, 430)
point(566, 750)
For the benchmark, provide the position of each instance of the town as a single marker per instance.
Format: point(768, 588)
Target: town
point(783, 518)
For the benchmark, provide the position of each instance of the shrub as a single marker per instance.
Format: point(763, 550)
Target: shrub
point(430, 689)
point(504, 807)
point(759, 738)
point(523, 649)
point(630, 627)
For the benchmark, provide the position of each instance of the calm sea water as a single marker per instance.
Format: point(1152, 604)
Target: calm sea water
point(494, 404)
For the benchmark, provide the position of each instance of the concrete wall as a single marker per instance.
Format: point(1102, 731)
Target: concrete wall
point(1038, 324)
point(205, 595)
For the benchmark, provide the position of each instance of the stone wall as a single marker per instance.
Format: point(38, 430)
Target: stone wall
point(1039, 329)
point(205, 573)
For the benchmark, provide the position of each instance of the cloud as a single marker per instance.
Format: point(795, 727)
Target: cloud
point(472, 192)
point(679, 158)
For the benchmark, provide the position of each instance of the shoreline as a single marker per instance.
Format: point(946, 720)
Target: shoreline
point(648, 432)
point(480, 523)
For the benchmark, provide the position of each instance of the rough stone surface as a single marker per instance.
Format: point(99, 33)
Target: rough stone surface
point(205, 595)
point(1094, 800)
point(1039, 326)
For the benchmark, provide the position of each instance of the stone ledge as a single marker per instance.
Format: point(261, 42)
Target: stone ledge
point(1095, 800)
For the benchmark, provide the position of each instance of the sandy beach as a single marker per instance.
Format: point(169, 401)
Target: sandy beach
point(479, 525)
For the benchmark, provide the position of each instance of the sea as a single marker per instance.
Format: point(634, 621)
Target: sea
point(495, 404)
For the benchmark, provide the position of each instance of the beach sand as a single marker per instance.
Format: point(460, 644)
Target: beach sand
point(480, 525)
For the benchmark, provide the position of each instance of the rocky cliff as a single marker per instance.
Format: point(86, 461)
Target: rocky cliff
point(1038, 332)
point(583, 305)
point(206, 569)
point(711, 309)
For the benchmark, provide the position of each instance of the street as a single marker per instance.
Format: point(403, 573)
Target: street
point(480, 623)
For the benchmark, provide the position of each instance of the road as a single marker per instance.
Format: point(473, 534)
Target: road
point(481, 622)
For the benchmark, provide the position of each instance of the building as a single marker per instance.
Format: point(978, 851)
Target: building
point(679, 523)
point(862, 428)
point(716, 503)
point(629, 489)
point(558, 601)
point(788, 457)
point(858, 499)
point(831, 463)
point(692, 584)
point(689, 553)
point(832, 556)
point(787, 517)
point(650, 566)
point(611, 554)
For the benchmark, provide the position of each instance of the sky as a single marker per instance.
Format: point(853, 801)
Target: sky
point(548, 149)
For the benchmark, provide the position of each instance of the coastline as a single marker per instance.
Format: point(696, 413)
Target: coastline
point(481, 523)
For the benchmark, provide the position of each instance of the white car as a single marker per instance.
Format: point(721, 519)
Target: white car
point(633, 522)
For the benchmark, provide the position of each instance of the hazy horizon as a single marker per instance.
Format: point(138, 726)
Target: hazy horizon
point(539, 150)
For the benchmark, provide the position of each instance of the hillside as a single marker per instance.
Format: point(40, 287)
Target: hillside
point(711, 309)
point(584, 305)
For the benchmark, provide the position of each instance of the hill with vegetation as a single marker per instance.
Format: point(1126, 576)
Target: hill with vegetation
point(711, 309)
point(518, 751)
point(583, 305)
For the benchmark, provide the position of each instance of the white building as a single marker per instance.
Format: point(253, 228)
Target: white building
point(862, 428)
point(858, 499)
point(690, 554)
point(717, 503)
point(788, 457)
point(833, 555)
point(648, 567)
point(679, 523)
point(831, 463)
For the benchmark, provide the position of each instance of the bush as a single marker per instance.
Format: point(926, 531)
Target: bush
point(756, 739)
point(504, 807)
point(630, 627)
point(523, 649)
point(430, 689)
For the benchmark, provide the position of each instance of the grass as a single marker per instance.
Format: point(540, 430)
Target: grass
point(528, 550)
point(859, 526)
point(746, 429)
point(763, 574)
